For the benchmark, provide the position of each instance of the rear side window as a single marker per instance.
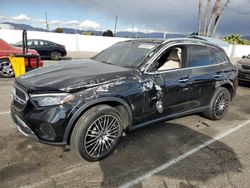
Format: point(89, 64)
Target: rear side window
point(200, 56)
point(35, 43)
point(219, 58)
point(43, 43)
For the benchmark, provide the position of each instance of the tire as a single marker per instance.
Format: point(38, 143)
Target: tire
point(55, 55)
point(97, 133)
point(219, 104)
point(6, 70)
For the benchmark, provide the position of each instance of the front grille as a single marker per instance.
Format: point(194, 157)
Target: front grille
point(19, 98)
point(247, 67)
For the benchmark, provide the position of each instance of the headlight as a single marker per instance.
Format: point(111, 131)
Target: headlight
point(51, 99)
point(238, 65)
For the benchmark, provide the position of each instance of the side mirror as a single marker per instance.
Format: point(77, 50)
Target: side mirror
point(244, 56)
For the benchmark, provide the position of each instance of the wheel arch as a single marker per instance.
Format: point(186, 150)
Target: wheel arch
point(54, 50)
point(229, 86)
point(117, 103)
point(4, 57)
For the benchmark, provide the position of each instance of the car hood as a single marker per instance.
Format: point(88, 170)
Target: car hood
point(244, 61)
point(72, 76)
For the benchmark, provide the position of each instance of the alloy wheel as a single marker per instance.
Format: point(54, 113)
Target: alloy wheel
point(102, 134)
point(6, 68)
point(222, 104)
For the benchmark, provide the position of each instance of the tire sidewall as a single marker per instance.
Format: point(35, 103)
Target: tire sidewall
point(83, 125)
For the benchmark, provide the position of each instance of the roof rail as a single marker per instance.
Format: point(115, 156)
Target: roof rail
point(197, 37)
point(215, 41)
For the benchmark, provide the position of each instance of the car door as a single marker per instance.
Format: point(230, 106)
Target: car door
point(170, 90)
point(204, 72)
point(42, 48)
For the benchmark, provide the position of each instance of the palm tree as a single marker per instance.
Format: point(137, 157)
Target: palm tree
point(233, 39)
point(205, 18)
point(213, 14)
point(199, 17)
point(219, 17)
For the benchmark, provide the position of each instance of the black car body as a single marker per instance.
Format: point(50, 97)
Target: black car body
point(243, 66)
point(45, 48)
point(125, 84)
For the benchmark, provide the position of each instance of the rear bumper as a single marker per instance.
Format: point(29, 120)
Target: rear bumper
point(33, 64)
point(64, 53)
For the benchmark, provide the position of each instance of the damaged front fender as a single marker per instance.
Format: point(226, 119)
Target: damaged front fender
point(86, 106)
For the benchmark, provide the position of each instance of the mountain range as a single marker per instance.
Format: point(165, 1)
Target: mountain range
point(125, 34)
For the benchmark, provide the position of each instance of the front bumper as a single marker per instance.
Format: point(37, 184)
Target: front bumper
point(27, 130)
point(23, 128)
point(244, 75)
point(46, 125)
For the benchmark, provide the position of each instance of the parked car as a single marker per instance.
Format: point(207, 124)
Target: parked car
point(46, 49)
point(88, 104)
point(6, 70)
point(243, 66)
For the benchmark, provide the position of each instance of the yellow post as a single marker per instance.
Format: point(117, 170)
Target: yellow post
point(18, 65)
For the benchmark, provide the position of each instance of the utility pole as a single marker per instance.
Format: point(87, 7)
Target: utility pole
point(116, 19)
point(133, 26)
point(46, 20)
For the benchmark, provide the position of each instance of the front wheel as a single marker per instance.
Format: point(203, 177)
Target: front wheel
point(97, 132)
point(219, 104)
point(6, 70)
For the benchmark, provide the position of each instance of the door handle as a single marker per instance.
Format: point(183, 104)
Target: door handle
point(183, 80)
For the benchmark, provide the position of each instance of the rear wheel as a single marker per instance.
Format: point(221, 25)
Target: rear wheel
point(97, 133)
point(55, 55)
point(6, 70)
point(219, 104)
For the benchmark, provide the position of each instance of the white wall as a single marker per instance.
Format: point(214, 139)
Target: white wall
point(239, 50)
point(72, 42)
point(76, 42)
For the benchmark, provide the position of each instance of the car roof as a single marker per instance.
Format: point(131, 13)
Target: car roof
point(190, 39)
point(146, 40)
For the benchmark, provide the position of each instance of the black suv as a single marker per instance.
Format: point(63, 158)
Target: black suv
point(89, 103)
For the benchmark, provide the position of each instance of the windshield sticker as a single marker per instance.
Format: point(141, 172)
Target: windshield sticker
point(146, 46)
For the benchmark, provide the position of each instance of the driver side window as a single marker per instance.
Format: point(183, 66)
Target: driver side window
point(171, 59)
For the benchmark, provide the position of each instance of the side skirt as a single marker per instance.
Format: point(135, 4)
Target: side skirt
point(173, 116)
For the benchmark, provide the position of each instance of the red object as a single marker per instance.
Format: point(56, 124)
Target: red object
point(6, 50)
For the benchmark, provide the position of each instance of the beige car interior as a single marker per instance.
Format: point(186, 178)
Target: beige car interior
point(174, 60)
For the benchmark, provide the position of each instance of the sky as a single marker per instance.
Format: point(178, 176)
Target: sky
point(171, 16)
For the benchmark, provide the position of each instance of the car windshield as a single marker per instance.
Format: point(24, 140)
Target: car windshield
point(129, 54)
point(19, 43)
